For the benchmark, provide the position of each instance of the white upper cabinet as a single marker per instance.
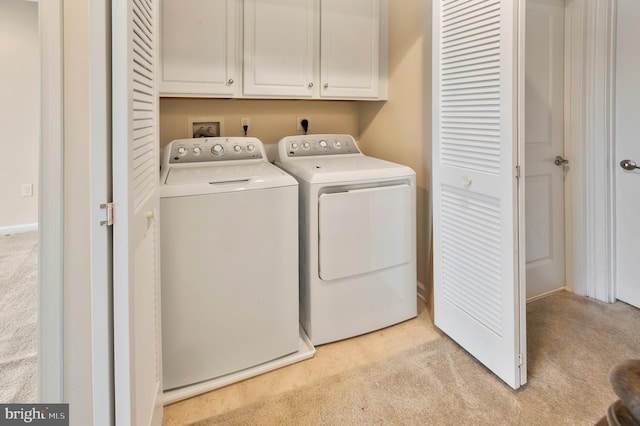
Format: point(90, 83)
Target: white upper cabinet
point(351, 48)
point(295, 49)
point(279, 47)
point(199, 48)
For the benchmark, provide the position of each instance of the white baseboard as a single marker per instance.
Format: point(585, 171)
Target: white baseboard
point(15, 229)
point(548, 293)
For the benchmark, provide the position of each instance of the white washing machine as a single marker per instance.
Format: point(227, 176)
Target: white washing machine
point(229, 253)
point(357, 237)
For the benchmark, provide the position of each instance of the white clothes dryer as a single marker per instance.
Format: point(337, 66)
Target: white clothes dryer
point(357, 237)
point(229, 253)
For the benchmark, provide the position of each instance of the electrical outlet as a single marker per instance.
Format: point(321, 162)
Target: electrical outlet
point(27, 190)
point(299, 121)
point(244, 122)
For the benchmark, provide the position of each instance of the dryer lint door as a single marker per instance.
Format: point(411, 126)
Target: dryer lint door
point(364, 230)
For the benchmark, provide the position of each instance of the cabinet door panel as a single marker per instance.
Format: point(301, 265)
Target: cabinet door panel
point(350, 48)
point(199, 47)
point(279, 47)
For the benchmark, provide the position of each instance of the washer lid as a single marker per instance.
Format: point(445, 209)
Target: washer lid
point(196, 179)
point(340, 169)
point(221, 173)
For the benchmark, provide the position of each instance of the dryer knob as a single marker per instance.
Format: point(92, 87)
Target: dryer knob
point(182, 150)
point(197, 150)
point(217, 149)
point(237, 148)
point(251, 148)
point(323, 144)
point(337, 144)
point(305, 145)
point(294, 146)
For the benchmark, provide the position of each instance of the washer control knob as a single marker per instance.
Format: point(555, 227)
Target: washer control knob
point(197, 150)
point(251, 148)
point(323, 144)
point(237, 148)
point(217, 149)
point(305, 145)
point(337, 144)
point(294, 146)
point(182, 150)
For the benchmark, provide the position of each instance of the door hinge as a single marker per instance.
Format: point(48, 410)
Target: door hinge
point(520, 360)
point(518, 172)
point(109, 211)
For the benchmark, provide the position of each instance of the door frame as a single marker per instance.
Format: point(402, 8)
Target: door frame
point(51, 205)
point(74, 367)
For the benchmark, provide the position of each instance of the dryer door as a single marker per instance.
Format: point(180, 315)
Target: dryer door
point(364, 230)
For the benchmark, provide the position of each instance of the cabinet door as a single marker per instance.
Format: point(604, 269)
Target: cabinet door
point(199, 45)
point(279, 47)
point(350, 48)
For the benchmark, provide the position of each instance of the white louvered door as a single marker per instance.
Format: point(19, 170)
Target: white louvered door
point(135, 231)
point(478, 285)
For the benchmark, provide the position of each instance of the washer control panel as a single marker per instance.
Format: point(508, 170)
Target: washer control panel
point(214, 149)
point(314, 145)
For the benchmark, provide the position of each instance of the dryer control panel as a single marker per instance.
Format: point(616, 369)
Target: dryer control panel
point(315, 145)
point(199, 150)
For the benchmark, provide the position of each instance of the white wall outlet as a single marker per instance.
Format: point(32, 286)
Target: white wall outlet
point(299, 121)
point(27, 190)
point(244, 122)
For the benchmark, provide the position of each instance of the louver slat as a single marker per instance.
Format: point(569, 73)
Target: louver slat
point(471, 249)
point(470, 74)
point(144, 103)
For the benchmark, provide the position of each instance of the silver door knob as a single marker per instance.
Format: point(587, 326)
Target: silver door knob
point(559, 161)
point(629, 165)
point(230, 81)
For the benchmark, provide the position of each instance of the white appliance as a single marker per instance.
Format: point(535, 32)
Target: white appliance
point(229, 253)
point(357, 237)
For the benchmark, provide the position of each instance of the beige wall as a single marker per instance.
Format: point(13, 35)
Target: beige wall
point(399, 130)
point(270, 120)
point(19, 111)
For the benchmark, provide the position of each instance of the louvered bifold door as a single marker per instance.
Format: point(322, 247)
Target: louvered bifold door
point(477, 297)
point(136, 298)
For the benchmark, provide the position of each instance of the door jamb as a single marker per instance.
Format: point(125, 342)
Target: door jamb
point(51, 206)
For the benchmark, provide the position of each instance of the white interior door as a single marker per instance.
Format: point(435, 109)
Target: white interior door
point(478, 286)
point(544, 140)
point(628, 148)
point(135, 195)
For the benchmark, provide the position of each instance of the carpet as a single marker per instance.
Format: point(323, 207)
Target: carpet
point(18, 317)
point(572, 344)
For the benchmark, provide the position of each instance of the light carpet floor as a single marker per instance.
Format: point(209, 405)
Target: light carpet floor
point(18, 317)
point(572, 344)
